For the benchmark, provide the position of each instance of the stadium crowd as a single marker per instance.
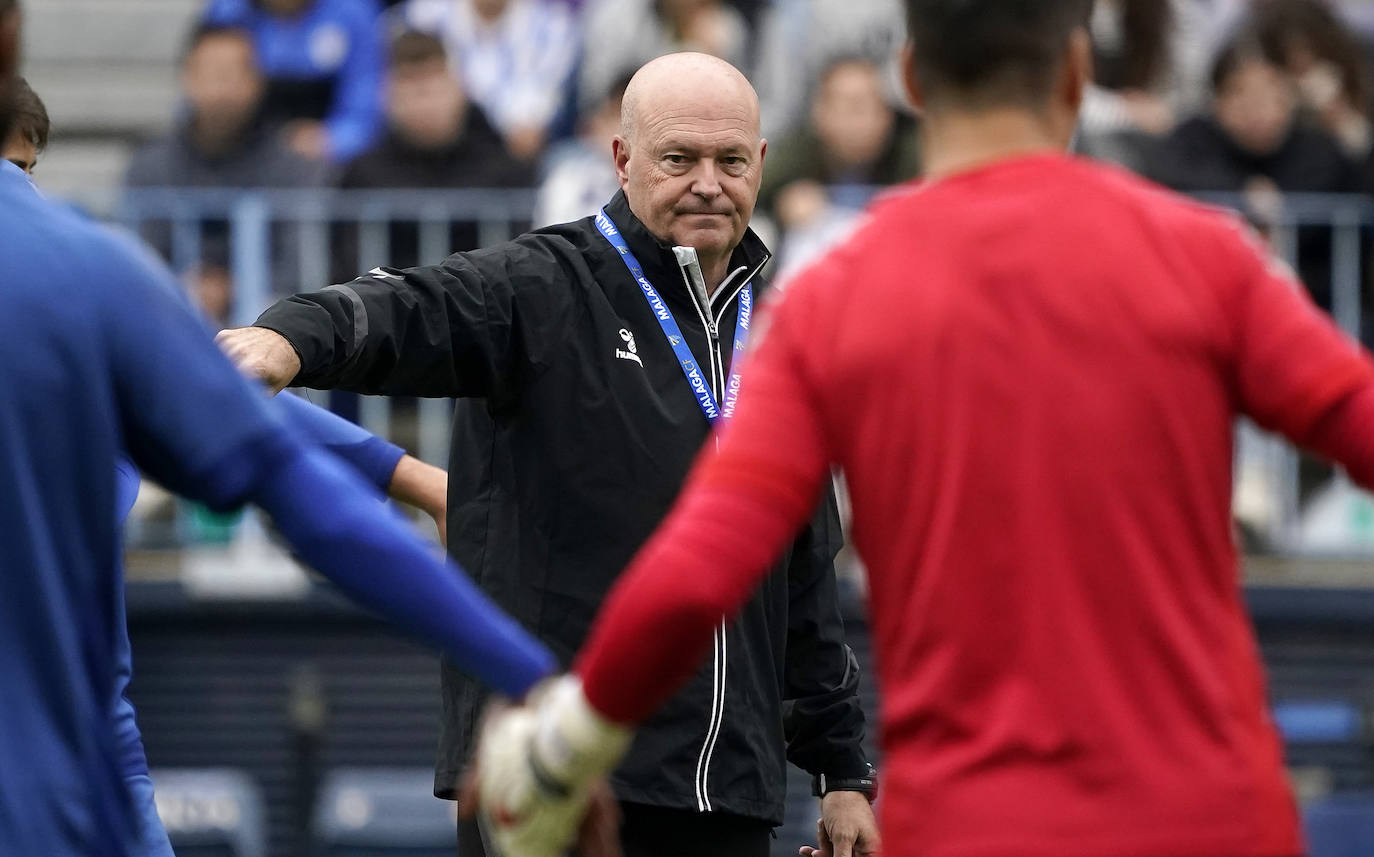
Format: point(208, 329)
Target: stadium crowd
point(1255, 97)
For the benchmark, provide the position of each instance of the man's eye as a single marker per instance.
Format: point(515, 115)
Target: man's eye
point(675, 159)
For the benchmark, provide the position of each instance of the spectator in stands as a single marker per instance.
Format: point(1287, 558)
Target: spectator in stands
point(1330, 64)
point(28, 135)
point(625, 34)
point(1252, 142)
point(435, 138)
point(515, 58)
point(1201, 29)
point(1128, 108)
point(1252, 138)
point(580, 174)
point(799, 39)
point(323, 63)
point(222, 142)
point(820, 177)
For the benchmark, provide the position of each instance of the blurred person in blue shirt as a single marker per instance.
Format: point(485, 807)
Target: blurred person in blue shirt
point(101, 356)
point(324, 62)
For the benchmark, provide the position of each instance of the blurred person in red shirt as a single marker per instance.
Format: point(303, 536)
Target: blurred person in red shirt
point(1028, 368)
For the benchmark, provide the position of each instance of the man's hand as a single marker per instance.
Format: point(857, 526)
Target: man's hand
point(538, 769)
point(425, 487)
point(846, 828)
point(262, 354)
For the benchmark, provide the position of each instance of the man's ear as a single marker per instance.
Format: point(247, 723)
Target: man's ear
point(1078, 69)
point(915, 94)
point(620, 152)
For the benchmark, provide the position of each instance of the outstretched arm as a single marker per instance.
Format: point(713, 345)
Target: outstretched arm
point(1293, 370)
point(332, 521)
point(196, 425)
point(383, 464)
point(479, 324)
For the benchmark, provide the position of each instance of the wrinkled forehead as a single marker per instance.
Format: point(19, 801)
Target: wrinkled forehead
point(702, 121)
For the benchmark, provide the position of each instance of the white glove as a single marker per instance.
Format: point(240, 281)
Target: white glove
point(536, 766)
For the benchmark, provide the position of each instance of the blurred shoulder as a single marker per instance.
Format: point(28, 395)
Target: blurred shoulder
point(1185, 216)
point(63, 252)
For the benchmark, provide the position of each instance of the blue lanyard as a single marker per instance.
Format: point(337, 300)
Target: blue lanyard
point(705, 398)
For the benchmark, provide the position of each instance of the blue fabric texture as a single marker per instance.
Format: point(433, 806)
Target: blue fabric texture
point(118, 360)
point(374, 459)
point(369, 554)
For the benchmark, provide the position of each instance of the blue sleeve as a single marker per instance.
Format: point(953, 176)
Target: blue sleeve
point(192, 422)
point(371, 456)
point(186, 413)
point(126, 487)
point(371, 555)
point(356, 115)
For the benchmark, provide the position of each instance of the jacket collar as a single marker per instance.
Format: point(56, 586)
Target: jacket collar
point(660, 264)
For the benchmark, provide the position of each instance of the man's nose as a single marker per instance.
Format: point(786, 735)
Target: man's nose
point(706, 179)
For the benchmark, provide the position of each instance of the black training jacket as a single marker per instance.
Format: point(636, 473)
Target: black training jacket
point(574, 431)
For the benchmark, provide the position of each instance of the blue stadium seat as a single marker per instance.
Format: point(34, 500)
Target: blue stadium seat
point(1340, 825)
point(1319, 721)
point(211, 812)
point(383, 812)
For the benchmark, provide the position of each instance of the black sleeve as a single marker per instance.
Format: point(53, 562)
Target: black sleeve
point(480, 324)
point(822, 719)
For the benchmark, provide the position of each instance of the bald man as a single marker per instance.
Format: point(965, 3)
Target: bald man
point(590, 360)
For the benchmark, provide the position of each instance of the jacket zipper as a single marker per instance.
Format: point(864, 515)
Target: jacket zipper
point(696, 286)
point(692, 278)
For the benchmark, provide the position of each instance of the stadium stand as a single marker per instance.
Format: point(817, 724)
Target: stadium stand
point(105, 86)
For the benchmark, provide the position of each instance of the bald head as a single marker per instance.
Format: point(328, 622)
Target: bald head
point(700, 85)
point(689, 155)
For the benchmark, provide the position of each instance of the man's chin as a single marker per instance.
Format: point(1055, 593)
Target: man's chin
point(706, 240)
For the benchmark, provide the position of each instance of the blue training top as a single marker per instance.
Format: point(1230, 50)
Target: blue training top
point(98, 354)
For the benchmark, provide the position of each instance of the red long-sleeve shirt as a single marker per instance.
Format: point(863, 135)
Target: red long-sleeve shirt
point(1029, 374)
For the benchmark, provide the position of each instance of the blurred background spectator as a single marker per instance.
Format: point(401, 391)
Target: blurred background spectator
point(222, 141)
point(1326, 58)
point(799, 39)
point(579, 173)
point(323, 64)
point(516, 58)
point(435, 138)
point(622, 35)
point(819, 177)
point(29, 127)
point(1253, 141)
point(1129, 106)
